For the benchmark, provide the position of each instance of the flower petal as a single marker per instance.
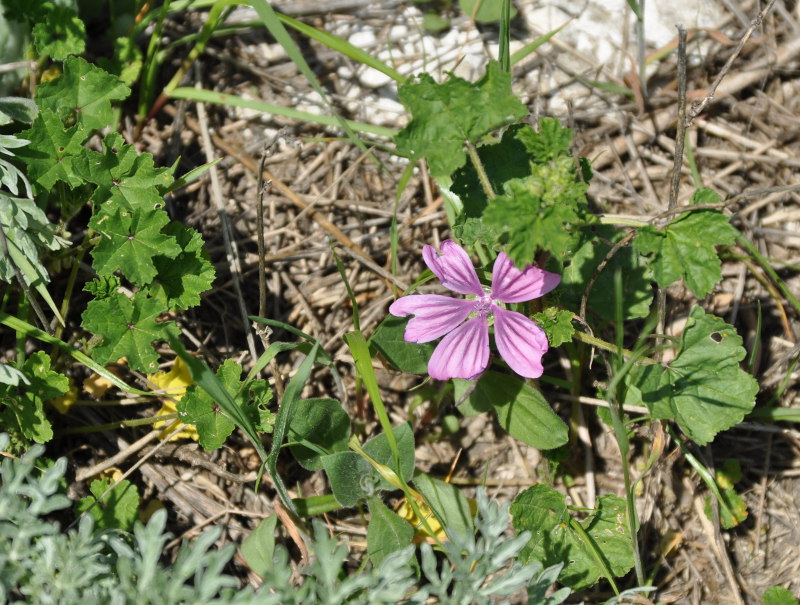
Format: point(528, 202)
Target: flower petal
point(510, 285)
point(434, 315)
point(520, 341)
point(453, 268)
point(464, 353)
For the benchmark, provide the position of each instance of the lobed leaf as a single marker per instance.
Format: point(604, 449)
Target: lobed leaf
point(448, 115)
point(603, 546)
point(82, 95)
point(128, 327)
point(686, 248)
point(703, 389)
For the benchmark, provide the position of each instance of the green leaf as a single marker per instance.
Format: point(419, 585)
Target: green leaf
point(181, 280)
point(17, 109)
point(128, 326)
point(703, 389)
point(129, 241)
point(61, 34)
point(502, 161)
point(118, 510)
point(551, 142)
point(259, 547)
point(686, 248)
point(321, 423)
point(353, 478)
point(637, 288)
point(52, 149)
point(103, 287)
point(733, 508)
point(446, 116)
point(12, 376)
point(124, 177)
point(606, 545)
point(520, 408)
point(387, 532)
point(778, 595)
point(127, 61)
point(557, 324)
point(82, 95)
point(405, 356)
point(197, 407)
point(25, 402)
point(449, 504)
point(541, 212)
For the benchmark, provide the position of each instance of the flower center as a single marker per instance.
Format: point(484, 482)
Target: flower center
point(483, 306)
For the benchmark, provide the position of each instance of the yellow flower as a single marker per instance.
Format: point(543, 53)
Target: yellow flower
point(174, 384)
point(406, 512)
point(67, 400)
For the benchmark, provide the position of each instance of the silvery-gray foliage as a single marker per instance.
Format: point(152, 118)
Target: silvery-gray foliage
point(483, 567)
point(40, 563)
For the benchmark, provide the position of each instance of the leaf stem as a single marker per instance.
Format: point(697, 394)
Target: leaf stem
point(482, 176)
point(607, 346)
point(122, 424)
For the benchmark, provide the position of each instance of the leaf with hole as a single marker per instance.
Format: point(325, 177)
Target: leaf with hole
point(703, 389)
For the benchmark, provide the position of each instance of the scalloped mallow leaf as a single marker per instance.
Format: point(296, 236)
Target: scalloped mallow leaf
point(703, 389)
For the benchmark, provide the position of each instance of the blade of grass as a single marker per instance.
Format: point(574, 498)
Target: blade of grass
point(278, 31)
point(747, 245)
point(341, 46)
point(218, 98)
point(26, 329)
point(192, 175)
point(504, 55)
point(290, 397)
point(360, 351)
point(350, 293)
point(532, 46)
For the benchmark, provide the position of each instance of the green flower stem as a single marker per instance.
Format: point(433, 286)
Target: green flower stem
point(607, 346)
point(482, 176)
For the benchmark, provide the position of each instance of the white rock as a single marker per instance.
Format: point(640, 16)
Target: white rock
point(364, 39)
point(372, 78)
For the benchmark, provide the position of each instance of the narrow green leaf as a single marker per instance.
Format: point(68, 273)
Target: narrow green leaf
point(218, 98)
point(287, 410)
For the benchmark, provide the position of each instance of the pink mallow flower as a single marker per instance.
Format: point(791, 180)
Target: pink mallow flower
point(464, 352)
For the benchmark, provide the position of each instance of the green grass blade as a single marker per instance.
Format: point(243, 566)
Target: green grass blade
point(341, 46)
point(753, 251)
point(33, 275)
point(192, 175)
point(532, 46)
point(26, 329)
point(218, 98)
point(350, 293)
point(290, 397)
point(360, 350)
point(278, 31)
